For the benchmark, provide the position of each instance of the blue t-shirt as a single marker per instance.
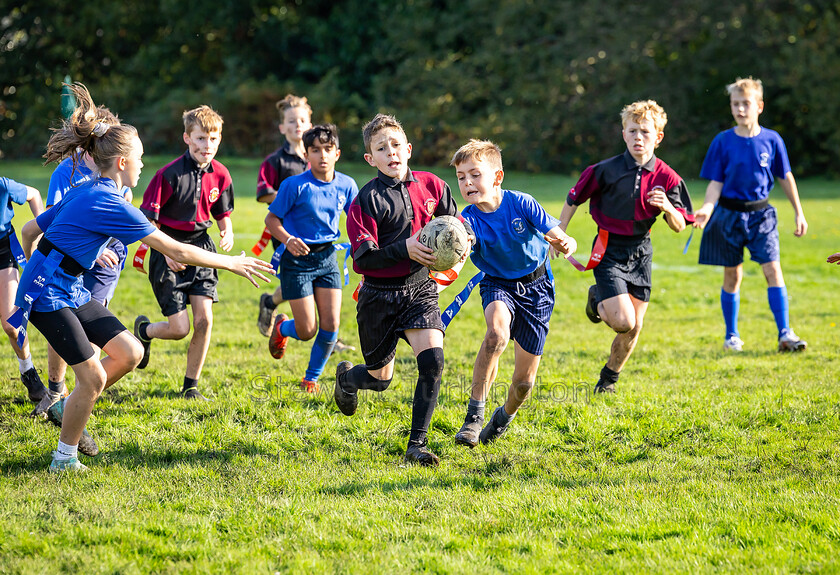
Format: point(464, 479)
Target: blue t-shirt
point(310, 209)
point(65, 180)
point(509, 241)
point(10, 191)
point(746, 166)
point(81, 226)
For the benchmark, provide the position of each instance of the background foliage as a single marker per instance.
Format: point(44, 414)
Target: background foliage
point(545, 79)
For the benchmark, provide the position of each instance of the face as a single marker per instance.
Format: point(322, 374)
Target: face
point(295, 122)
point(745, 108)
point(133, 164)
point(322, 158)
point(641, 139)
point(389, 152)
point(203, 145)
point(479, 182)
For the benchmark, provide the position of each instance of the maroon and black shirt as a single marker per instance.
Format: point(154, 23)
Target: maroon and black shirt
point(386, 213)
point(617, 191)
point(184, 197)
point(281, 164)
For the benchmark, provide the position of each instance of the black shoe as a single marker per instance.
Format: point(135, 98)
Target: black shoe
point(193, 393)
point(346, 401)
point(468, 435)
point(494, 429)
point(147, 343)
point(420, 454)
point(592, 305)
point(266, 315)
point(604, 387)
point(33, 384)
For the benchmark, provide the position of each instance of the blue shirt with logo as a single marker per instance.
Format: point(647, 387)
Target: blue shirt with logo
point(10, 191)
point(746, 166)
point(509, 241)
point(311, 209)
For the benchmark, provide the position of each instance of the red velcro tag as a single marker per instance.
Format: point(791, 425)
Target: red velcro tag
point(597, 253)
point(262, 243)
point(140, 257)
point(444, 278)
point(356, 292)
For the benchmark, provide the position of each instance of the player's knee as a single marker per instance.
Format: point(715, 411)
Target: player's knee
point(202, 324)
point(495, 341)
point(430, 362)
point(305, 332)
point(380, 384)
point(10, 331)
point(521, 390)
point(134, 355)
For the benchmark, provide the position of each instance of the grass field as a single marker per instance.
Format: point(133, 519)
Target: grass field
point(703, 462)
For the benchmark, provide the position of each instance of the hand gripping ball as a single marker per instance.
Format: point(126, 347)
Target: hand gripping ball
point(447, 238)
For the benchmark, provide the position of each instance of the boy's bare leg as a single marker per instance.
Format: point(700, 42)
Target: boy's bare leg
point(202, 307)
point(524, 376)
point(773, 274)
point(624, 314)
point(497, 317)
point(732, 277)
point(176, 326)
point(277, 296)
point(305, 317)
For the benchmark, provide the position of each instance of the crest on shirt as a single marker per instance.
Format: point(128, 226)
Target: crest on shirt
point(764, 160)
point(430, 206)
point(518, 225)
point(362, 237)
point(214, 194)
point(341, 200)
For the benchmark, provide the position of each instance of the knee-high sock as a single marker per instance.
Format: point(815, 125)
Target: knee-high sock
point(359, 378)
point(287, 328)
point(777, 296)
point(430, 372)
point(322, 347)
point(730, 303)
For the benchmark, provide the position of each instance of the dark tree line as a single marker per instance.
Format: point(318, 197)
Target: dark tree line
point(544, 79)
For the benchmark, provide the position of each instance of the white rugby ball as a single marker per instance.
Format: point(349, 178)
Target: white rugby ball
point(447, 238)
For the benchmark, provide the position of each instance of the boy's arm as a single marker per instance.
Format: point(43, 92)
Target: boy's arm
point(294, 245)
point(29, 237)
point(702, 215)
point(33, 198)
point(566, 215)
point(659, 199)
point(792, 192)
point(561, 241)
point(225, 233)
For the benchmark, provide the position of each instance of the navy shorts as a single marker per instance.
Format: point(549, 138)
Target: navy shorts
point(530, 305)
point(7, 258)
point(173, 289)
point(729, 232)
point(299, 276)
point(100, 281)
point(384, 312)
point(625, 268)
point(71, 331)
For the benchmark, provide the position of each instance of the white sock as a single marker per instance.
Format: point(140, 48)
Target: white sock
point(25, 364)
point(64, 451)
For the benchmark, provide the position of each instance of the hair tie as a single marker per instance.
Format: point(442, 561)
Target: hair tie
point(100, 129)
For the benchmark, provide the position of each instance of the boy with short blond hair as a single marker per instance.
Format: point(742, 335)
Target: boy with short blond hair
point(180, 200)
point(517, 292)
point(740, 166)
point(627, 193)
point(397, 298)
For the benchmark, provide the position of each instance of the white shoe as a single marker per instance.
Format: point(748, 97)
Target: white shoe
point(734, 343)
point(791, 342)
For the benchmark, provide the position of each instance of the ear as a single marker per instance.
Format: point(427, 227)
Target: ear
point(186, 138)
point(121, 163)
point(500, 176)
point(337, 154)
point(369, 160)
point(306, 154)
point(408, 147)
point(659, 137)
point(760, 106)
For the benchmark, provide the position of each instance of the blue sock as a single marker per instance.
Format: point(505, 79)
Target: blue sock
point(730, 303)
point(287, 328)
point(777, 296)
point(321, 350)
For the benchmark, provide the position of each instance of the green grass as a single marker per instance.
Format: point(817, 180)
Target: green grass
point(702, 462)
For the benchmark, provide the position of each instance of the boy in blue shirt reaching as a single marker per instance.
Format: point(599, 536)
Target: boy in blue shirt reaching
point(741, 164)
point(304, 217)
point(517, 292)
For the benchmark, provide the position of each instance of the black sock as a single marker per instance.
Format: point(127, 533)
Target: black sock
point(430, 373)
point(359, 378)
point(269, 303)
point(608, 375)
point(141, 331)
point(189, 383)
point(56, 386)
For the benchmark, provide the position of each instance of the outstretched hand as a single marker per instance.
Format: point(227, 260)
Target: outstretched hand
point(702, 215)
point(251, 268)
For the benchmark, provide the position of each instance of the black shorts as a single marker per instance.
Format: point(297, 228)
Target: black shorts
point(7, 258)
point(625, 268)
point(384, 312)
point(71, 331)
point(172, 289)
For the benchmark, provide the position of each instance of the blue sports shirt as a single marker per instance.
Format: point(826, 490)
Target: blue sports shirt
point(10, 191)
point(746, 166)
point(81, 226)
point(509, 241)
point(64, 180)
point(311, 209)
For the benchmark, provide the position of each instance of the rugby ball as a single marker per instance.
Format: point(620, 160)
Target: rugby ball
point(447, 238)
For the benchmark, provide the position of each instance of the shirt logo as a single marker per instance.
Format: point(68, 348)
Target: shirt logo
point(155, 207)
point(573, 193)
point(764, 160)
point(214, 195)
point(341, 200)
point(362, 237)
point(518, 225)
point(430, 206)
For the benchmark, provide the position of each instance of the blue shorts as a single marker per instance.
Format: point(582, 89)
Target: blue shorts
point(729, 232)
point(530, 305)
point(100, 281)
point(299, 276)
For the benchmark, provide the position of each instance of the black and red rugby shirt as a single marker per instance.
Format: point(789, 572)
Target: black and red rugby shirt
point(278, 166)
point(184, 197)
point(617, 191)
point(386, 213)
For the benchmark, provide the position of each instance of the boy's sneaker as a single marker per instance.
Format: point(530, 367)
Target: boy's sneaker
point(791, 342)
point(346, 401)
point(592, 305)
point(266, 315)
point(87, 446)
point(468, 435)
point(277, 341)
point(66, 465)
point(735, 343)
point(48, 401)
point(341, 346)
point(147, 343)
point(193, 393)
point(34, 387)
point(493, 430)
point(310, 386)
point(420, 454)
point(604, 387)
